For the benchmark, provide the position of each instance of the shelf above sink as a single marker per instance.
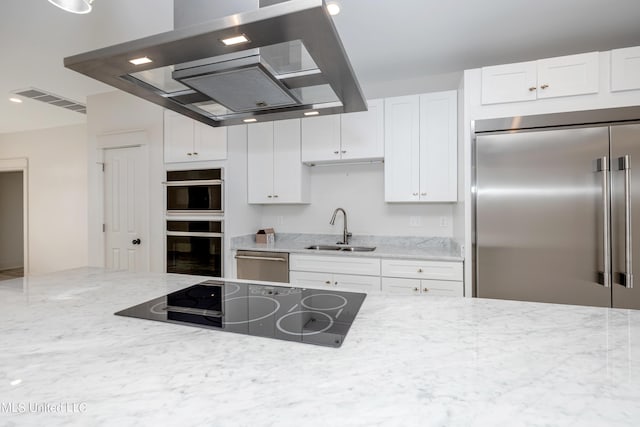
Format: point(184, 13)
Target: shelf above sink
point(344, 248)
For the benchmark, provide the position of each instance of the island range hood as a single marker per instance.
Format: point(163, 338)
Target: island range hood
point(275, 62)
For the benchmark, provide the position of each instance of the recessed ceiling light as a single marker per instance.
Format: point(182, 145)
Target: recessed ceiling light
point(235, 40)
point(140, 61)
point(311, 113)
point(16, 100)
point(333, 9)
point(250, 120)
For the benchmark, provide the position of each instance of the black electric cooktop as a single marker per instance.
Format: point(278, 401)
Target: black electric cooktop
point(311, 316)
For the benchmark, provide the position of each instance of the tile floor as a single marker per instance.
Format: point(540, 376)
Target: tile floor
point(11, 273)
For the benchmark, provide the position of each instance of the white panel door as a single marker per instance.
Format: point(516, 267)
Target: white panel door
point(288, 171)
point(438, 147)
point(321, 138)
point(625, 69)
point(125, 209)
point(509, 83)
point(568, 75)
point(260, 162)
point(363, 133)
point(402, 148)
point(210, 143)
point(178, 138)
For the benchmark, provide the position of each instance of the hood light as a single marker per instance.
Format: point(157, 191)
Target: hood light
point(333, 9)
point(250, 120)
point(235, 40)
point(140, 61)
point(16, 100)
point(311, 113)
point(73, 6)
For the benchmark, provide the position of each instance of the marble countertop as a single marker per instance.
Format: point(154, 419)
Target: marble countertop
point(424, 248)
point(407, 361)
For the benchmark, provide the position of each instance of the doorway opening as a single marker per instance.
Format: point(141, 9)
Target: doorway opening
point(12, 230)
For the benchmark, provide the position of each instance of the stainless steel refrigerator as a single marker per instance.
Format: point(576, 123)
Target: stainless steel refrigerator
point(557, 208)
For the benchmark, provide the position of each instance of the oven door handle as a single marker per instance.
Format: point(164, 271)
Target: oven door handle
point(190, 234)
point(192, 183)
point(261, 258)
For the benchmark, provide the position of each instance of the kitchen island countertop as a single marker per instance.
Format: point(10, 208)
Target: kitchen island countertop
point(406, 361)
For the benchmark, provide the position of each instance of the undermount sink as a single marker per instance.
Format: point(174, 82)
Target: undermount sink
point(345, 248)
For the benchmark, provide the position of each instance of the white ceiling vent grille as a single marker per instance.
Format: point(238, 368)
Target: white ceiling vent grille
point(50, 98)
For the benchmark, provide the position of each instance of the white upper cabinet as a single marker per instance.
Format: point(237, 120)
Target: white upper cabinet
point(344, 137)
point(362, 133)
point(275, 171)
point(321, 139)
point(545, 78)
point(509, 83)
point(186, 140)
point(625, 69)
point(421, 148)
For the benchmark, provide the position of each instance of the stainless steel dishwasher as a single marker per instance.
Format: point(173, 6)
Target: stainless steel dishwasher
point(265, 266)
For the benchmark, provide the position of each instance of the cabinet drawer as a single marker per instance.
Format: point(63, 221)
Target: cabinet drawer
point(443, 288)
point(394, 285)
point(437, 270)
point(335, 264)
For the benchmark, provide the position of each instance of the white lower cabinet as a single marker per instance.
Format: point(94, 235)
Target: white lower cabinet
point(394, 285)
point(319, 280)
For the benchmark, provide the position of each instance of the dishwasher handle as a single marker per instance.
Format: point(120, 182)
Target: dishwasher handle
point(261, 258)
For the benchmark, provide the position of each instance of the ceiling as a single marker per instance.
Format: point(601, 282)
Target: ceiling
point(385, 40)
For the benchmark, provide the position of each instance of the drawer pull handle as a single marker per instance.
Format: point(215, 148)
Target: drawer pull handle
point(532, 88)
point(328, 282)
point(416, 290)
point(336, 283)
point(544, 86)
point(425, 290)
point(419, 270)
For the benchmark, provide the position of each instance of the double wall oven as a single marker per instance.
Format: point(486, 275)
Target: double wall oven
point(195, 222)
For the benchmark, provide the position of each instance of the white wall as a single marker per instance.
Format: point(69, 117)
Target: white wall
point(57, 194)
point(11, 220)
point(359, 189)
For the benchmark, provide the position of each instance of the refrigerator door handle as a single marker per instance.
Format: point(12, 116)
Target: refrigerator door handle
point(602, 165)
point(626, 278)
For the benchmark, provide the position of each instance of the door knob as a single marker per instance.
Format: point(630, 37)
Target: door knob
point(136, 241)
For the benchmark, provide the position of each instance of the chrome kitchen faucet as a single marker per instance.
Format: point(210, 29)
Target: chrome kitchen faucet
point(345, 232)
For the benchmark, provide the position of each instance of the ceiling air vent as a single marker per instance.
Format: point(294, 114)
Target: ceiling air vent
point(52, 99)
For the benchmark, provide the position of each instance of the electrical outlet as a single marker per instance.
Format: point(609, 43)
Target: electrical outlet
point(415, 221)
point(444, 222)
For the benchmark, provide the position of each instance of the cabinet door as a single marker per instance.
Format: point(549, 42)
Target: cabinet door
point(363, 133)
point(438, 147)
point(361, 283)
point(306, 279)
point(401, 286)
point(321, 139)
point(441, 288)
point(209, 143)
point(178, 138)
point(260, 162)
point(290, 176)
point(568, 75)
point(625, 69)
point(509, 83)
point(402, 149)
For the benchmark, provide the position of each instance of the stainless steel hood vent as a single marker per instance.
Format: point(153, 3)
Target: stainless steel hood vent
point(291, 62)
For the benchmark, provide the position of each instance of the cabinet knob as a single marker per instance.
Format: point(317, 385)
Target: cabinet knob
point(269, 196)
point(423, 194)
point(195, 154)
point(532, 88)
point(336, 152)
point(335, 283)
point(544, 86)
point(425, 290)
point(343, 151)
point(419, 270)
point(189, 154)
point(275, 195)
point(415, 194)
point(328, 282)
point(416, 290)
